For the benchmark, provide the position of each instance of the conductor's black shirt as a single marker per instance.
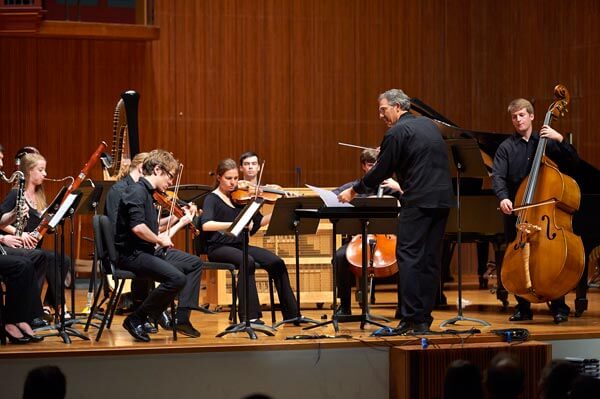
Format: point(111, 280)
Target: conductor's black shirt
point(414, 149)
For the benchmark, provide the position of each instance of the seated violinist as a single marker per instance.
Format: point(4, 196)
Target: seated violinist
point(218, 212)
point(344, 276)
point(249, 171)
point(150, 254)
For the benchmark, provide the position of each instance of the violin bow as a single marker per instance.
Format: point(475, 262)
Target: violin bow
point(257, 188)
point(175, 192)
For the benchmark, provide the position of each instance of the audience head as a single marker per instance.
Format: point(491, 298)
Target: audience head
point(46, 382)
point(505, 377)
point(463, 381)
point(584, 387)
point(556, 379)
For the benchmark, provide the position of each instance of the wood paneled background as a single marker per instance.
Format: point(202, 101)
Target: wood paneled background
point(291, 78)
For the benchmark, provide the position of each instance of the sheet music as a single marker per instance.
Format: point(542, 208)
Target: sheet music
point(64, 207)
point(329, 197)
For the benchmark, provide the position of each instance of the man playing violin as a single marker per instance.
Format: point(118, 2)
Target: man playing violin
point(512, 163)
point(388, 187)
point(414, 150)
point(149, 253)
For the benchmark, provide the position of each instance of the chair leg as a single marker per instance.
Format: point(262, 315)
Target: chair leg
point(121, 284)
point(272, 298)
point(233, 311)
point(113, 299)
point(94, 306)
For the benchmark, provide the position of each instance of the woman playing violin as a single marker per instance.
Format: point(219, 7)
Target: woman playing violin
point(218, 213)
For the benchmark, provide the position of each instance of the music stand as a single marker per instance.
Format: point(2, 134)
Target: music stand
point(465, 160)
point(284, 221)
point(192, 193)
point(237, 227)
point(372, 215)
point(65, 211)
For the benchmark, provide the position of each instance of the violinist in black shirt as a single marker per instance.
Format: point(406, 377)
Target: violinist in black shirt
point(414, 150)
point(512, 163)
point(148, 253)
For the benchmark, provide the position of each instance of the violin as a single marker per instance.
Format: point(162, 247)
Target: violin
point(170, 202)
point(246, 192)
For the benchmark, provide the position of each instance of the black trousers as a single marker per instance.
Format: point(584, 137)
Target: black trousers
point(178, 273)
point(54, 272)
point(418, 250)
point(22, 296)
point(40, 263)
point(273, 264)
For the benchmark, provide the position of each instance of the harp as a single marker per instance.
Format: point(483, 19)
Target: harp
point(125, 144)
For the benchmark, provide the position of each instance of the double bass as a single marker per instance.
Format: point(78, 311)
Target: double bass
point(546, 259)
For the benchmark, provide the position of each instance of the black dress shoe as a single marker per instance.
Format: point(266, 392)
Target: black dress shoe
point(38, 322)
point(164, 320)
point(398, 314)
point(187, 329)
point(257, 321)
point(149, 328)
point(560, 318)
point(403, 328)
point(32, 338)
point(420, 328)
point(17, 340)
point(520, 315)
point(135, 329)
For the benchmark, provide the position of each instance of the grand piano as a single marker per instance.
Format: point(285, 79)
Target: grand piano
point(480, 220)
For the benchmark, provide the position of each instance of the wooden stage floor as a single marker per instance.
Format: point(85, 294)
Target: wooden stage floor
point(480, 304)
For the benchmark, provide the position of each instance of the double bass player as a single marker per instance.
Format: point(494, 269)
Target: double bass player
point(512, 164)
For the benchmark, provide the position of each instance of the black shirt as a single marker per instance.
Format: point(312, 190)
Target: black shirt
point(414, 149)
point(113, 198)
point(216, 210)
point(514, 158)
point(369, 192)
point(35, 217)
point(136, 207)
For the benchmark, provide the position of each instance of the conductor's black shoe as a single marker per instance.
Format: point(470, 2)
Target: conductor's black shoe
point(403, 328)
point(149, 328)
point(187, 329)
point(420, 328)
point(560, 318)
point(136, 330)
point(520, 315)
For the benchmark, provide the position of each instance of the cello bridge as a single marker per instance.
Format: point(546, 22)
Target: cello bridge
point(528, 228)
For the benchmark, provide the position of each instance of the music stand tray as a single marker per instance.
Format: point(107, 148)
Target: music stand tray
point(382, 214)
point(284, 221)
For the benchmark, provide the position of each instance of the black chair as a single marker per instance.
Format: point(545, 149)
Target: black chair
point(200, 249)
point(107, 256)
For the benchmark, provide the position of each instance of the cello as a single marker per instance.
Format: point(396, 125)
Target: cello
point(546, 259)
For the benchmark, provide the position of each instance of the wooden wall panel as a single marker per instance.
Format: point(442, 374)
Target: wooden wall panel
point(292, 78)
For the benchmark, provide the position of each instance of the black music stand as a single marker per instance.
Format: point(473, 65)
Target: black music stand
point(284, 221)
point(192, 193)
point(372, 215)
point(65, 211)
point(237, 227)
point(465, 160)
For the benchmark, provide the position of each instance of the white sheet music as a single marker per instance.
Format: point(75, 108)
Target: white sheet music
point(328, 197)
point(64, 207)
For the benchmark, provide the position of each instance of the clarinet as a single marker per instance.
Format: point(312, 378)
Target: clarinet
point(22, 214)
point(16, 175)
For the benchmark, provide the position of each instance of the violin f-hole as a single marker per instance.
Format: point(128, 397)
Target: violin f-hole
point(548, 235)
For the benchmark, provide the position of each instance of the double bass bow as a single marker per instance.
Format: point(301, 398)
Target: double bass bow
point(546, 260)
